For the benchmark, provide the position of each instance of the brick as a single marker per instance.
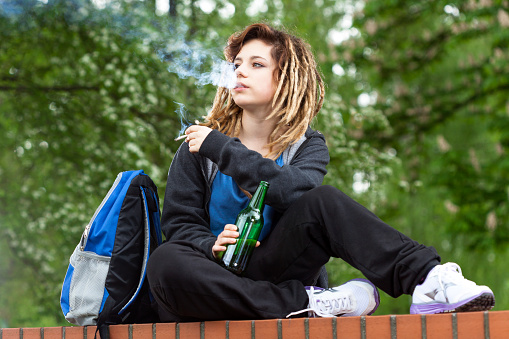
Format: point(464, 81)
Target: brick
point(215, 330)
point(378, 327)
point(89, 331)
point(142, 331)
point(118, 332)
point(73, 332)
point(32, 333)
point(266, 329)
point(240, 329)
point(53, 332)
point(293, 328)
point(470, 325)
point(439, 326)
point(499, 324)
point(189, 330)
point(10, 333)
point(165, 331)
point(409, 326)
point(348, 328)
point(320, 328)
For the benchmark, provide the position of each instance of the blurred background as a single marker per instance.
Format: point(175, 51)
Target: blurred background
point(416, 118)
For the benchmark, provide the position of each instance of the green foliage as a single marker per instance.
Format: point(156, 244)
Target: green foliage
point(438, 73)
point(80, 101)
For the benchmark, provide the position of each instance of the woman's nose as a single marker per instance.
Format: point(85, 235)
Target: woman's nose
point(240, 71)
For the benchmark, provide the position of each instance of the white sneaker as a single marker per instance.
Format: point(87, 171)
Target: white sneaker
point(354, 298)
point(446, 290)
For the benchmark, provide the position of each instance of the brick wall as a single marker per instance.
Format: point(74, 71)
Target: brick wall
point(474, 325)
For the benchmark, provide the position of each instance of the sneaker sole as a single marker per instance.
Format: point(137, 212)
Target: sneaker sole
point(482, 302)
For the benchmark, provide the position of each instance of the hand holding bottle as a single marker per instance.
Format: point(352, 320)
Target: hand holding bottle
point(227, 237)
point(249, 223)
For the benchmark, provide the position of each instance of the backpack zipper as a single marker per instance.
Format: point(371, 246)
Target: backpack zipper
point(84, 236)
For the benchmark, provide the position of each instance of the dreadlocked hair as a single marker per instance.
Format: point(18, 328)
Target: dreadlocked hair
point(298, 97)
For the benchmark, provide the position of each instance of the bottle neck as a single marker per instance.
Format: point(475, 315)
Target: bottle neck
point(259, 196)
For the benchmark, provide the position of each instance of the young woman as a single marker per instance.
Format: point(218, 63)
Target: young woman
point(260, 131)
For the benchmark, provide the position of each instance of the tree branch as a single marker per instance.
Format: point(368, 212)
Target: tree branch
point(72, 88)
point(173, 8)
point(447, 110)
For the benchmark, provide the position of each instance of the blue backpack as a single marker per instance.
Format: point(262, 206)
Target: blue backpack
point(106, 280)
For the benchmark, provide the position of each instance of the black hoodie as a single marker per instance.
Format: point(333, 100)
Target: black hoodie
point(185, 214)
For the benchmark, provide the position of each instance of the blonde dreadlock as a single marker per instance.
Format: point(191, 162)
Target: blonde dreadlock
point(298, 97)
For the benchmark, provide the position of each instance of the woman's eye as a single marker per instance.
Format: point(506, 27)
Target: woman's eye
point(256, 64)
point(235, 66)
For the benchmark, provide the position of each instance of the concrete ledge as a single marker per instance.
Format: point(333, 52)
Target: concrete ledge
point(474, 325)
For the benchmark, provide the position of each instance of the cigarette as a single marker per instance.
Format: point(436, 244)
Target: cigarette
point(185, 135)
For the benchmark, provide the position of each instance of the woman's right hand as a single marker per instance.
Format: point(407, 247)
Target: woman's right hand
point(227, 237)
point(196, 134)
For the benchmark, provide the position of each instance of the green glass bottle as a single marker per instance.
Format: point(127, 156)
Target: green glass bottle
point(249, 224)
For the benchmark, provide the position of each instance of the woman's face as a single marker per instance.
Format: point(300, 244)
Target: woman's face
point(255, 82)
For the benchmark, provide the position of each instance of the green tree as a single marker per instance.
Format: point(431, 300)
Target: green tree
point(83, 96)
point(437, 70)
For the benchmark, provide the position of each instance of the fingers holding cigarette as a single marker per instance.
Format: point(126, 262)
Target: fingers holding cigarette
point(180, 137)
point(195, 136)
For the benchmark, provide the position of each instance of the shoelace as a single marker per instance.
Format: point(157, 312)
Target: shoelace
point(450, 270)
point(447, 269)
point(330, 307)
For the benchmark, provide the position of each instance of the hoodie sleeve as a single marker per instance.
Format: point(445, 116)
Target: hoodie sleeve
point(304, 172)
point(184, 216)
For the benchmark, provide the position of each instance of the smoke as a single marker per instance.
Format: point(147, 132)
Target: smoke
point(186, 59)
point(10, 8)
point(189, 59)
point(184, 117)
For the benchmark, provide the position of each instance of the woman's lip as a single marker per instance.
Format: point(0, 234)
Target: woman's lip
point(240, 85)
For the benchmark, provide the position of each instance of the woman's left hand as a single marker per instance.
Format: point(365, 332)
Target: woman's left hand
point(195, 136)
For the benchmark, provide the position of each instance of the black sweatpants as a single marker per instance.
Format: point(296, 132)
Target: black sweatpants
point(323, 223)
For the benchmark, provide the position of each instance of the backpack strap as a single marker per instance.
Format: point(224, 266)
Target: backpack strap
point(154, 210)
point(102, 319)
point(146, 252)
